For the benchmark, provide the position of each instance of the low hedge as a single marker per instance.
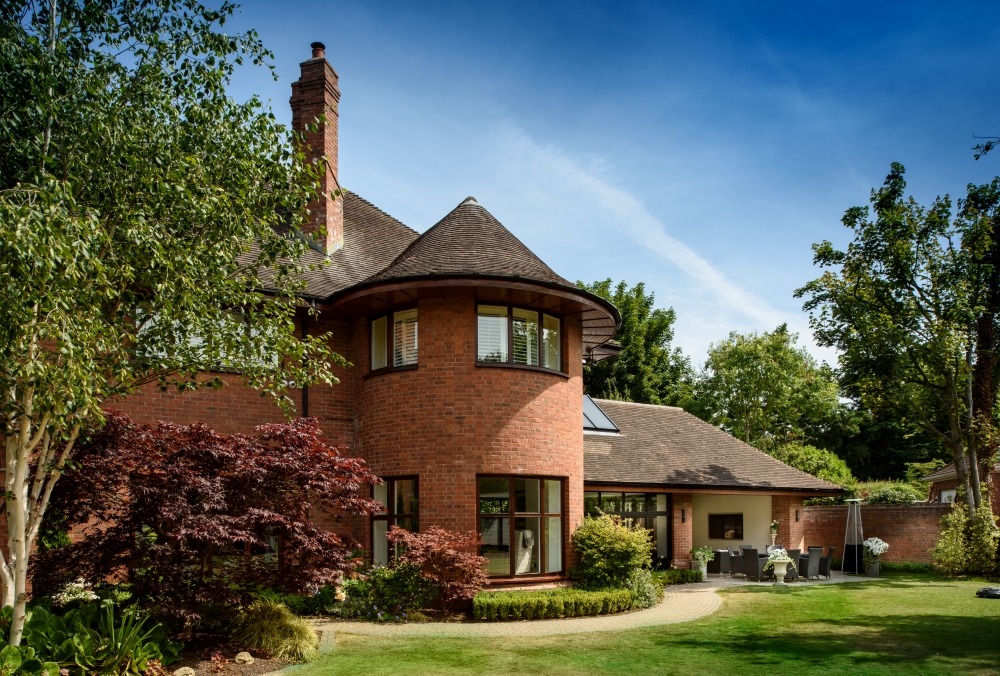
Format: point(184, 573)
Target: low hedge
point(676, 576)
point(504, 606)
point(904, 567)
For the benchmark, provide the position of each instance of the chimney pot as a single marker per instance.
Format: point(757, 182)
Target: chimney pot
point(319, 50)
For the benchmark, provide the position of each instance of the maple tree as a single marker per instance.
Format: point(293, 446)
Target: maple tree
point(185, 515)
point(444, 557)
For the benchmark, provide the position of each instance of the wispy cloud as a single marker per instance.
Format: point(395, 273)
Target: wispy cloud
point(550, 169)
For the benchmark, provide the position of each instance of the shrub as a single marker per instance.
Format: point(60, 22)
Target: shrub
point(608, 552)
point(965, 548)
point(323, 602)
point(443, 557)
point(273, 627)
point(889, 493)
point(204, 492)
point(820, 463)
point(905, 567)
point(387, 593)
point(645, 587)
point(673, 576)
point(552, 603)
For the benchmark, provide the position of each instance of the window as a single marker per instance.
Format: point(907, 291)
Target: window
point(400, 502)
point(649, 510)
point(948, 495)
point(398, 348)
point(510, 335)
point(725, 526)
point(521, 523)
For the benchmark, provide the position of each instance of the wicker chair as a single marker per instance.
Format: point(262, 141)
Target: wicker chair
point(755, 566)
point(792, 572)
point(825, 563)
point(720, 564)
point(809, 563)
point(736, 561)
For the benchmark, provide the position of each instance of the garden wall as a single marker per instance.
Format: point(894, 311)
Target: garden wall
point(910, 530)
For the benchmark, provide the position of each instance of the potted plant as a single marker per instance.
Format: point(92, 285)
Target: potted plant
point(774, 528)
point(778, 559)
point(874, 548)
point(700, 558)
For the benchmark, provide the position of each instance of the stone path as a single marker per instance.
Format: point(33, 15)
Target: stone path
point(680, 604)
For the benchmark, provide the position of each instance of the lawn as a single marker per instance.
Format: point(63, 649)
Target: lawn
point(903, 624)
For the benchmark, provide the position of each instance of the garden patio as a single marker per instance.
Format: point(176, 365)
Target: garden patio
point(900, 624)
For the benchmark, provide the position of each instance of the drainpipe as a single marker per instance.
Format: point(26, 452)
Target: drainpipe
point(305, 388)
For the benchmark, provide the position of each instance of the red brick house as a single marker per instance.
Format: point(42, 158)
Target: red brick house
point(466, 392)
point(944, 485)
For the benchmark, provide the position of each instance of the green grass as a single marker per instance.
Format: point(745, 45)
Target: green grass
point(903, 624)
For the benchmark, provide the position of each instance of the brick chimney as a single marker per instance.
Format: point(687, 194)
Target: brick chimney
point(315, 94)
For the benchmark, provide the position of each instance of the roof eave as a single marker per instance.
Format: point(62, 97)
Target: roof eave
point(819, 492)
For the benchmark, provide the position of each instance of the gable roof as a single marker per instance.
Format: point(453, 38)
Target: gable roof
point(372, 239)
point(942, 473)
point(469, 241)
point(666, 446)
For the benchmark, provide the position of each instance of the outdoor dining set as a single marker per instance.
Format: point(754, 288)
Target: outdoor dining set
point(749, 563)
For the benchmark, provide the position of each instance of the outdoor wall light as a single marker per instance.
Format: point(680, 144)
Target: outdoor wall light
point(682, 516)
point(796, 516)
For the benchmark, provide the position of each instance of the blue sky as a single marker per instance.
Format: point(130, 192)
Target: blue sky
point(700, 148)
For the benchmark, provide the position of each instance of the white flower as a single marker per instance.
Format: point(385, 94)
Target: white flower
point(74, 591)
point(777, 555)
point(876, 546)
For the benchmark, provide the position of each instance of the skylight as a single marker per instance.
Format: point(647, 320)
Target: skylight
point(594, 419)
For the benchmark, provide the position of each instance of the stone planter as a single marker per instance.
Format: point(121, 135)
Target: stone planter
point(780, 568)
point(872, 570)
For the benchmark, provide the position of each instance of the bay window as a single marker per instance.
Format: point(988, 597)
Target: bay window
point(394, 340)
point(518, 336)
point(399, 502)
point(521, 524)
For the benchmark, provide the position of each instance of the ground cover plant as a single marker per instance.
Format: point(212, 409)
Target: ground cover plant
point(901, 624)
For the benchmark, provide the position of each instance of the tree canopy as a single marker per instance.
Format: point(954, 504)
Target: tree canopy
point(648, 370)
point(142, 212)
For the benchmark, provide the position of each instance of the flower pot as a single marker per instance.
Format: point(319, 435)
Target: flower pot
point(703, 567)
point(780, 568)
point(872, 570)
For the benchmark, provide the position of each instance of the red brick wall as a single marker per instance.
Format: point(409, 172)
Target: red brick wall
point(683, 535)
point(449, 420)
point(910, 530)
point(788, 512)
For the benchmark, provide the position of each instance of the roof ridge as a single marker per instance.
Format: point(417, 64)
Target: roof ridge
point(637, 403)
point(380, 210)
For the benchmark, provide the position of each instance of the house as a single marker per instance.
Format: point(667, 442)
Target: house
point(466, 394)
point(944, 484)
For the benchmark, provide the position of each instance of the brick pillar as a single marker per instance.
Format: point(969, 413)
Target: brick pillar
point(788, 512)
point(682, 530)
point(315, 94)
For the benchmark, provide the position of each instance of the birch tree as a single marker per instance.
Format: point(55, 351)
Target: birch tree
point(142, 211)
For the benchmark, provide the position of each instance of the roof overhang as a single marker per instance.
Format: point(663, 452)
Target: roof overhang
point(713, 490)
point(598, 317)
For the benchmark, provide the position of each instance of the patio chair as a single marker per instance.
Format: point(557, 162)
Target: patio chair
point(736, 563)
point(792, 572)
point(755, 566)
point(809, 563)
point(720, 564)
point(745, 548)
point(825, 563)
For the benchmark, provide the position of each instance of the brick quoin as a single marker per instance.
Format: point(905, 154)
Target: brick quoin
point(910, 530)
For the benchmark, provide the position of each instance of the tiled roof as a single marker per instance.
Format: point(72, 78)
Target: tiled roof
point(372, 239)
point(663, 445)
point(469, 241)
point(942, 473)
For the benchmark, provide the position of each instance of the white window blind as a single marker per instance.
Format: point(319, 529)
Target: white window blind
point(492, 333)
point(525, 337)
point(380, 351)
point(405, 338)
point(551, 342)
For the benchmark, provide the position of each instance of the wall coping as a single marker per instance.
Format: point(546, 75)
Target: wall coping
point(918, 505)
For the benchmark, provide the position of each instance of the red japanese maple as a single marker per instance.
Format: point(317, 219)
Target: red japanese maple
point(445, 559)
point(179, 512)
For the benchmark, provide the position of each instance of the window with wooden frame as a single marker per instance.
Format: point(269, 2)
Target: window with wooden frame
point(725, 526)
point(521, 524)
point(506, 334)
point(400, 506)
point(649, 510)
point(394, 341)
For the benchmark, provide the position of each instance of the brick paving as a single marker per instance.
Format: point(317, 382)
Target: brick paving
point(680, 604)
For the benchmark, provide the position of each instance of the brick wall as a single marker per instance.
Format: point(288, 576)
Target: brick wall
point(910, 530)
point(788, 512)
point(683, 536)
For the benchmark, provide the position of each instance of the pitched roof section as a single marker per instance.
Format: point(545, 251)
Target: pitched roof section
point(372, 239)
point(942, 473)
point(469, 241)
point(663, 445)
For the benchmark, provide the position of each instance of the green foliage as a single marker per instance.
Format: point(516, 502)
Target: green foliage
point(765, 389)
point(888, 492)
point(816, 461)
point(608, 551)
point(385, 594)
point(672, 576)
point(647, 590)
point(504, 606)
point(273, 627)
point(966, 548)
point(647, 370)
point(703, 554)
point(323, 602)
point(905, 567)
point(916, 471)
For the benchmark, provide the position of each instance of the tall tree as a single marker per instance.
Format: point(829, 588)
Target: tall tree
point(898, 309)
point(140, 212)
point(764, 389)
point(647, 370)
